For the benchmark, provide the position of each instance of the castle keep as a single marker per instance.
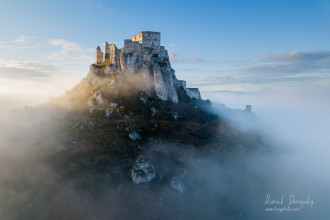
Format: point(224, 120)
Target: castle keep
point(144, 55)
point(147, 39)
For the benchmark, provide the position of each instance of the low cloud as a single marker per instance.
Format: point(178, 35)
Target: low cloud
point(177, 58)
point(26, 65)
point(13, 69)
point(22, 42)
point(189, 69)
point(228, 92)
point(292, 63)
point(24, 38)
point(70, 51)
point(17, 73)
point(294, 68)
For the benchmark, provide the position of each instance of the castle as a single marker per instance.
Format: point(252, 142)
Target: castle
point(142, 40)
point(144, 53)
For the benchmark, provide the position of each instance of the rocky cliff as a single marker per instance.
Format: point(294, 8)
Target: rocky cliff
point(147, 63)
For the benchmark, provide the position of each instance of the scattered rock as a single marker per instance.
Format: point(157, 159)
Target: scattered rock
point(108, 112)
point(134, 136)
point(144, 99)
point(99, 98)
point(91, 103)
point(177, 185)
point(153, 110)
point(94, 109)
point(114, 105)
point(143, 170)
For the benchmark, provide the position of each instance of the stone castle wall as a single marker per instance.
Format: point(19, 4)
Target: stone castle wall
point(106, 54)
point(147, 39)
point(130, 46)
point(98, 56)
point(193, 93)
point(180, 83)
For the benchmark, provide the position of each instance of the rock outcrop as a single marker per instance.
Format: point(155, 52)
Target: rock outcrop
point(143, 170)
point(144, 58)
point(177, 185)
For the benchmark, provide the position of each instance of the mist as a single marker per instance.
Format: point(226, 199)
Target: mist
point(294, 162)
point(296, 125)
point(17, 93)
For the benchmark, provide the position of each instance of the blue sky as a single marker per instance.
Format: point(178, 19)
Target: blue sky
point(220, 46)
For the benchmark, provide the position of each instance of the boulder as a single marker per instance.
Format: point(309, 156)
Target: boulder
point(108, 112)
point(143, 170)
point(99, 98)
point(134, 136)
point(177, 185)
point(114, 105)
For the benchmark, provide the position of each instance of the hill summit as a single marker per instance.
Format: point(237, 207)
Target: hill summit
point(142, 57)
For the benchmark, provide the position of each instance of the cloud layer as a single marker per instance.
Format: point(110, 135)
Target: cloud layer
point(293, 68)
point(70, 51)
point(22, 42)
point(178, 58)
point(31, 70)
point(292, 63)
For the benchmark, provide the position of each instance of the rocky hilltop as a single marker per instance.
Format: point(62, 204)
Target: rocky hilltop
point(142, 56)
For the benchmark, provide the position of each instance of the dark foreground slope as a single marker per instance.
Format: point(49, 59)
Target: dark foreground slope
point(72, 158)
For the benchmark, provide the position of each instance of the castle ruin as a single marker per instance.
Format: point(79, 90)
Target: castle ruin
point(144, 53)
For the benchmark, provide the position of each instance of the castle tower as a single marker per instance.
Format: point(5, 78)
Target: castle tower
point(112, 49)
point(98, 56)
point(106, 54)
point(147, 39)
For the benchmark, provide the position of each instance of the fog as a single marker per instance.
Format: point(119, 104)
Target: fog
point(17, 93)
point(297, 126)
point(295, 162)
